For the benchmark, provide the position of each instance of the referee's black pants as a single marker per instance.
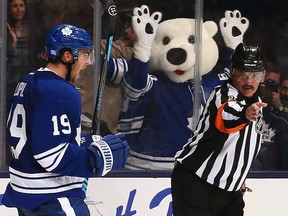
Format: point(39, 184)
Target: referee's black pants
point(191, 196)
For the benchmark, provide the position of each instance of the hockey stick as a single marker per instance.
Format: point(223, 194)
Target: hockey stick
point(112, 11)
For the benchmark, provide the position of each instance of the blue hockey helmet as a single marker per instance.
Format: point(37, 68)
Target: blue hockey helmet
point(67, 36)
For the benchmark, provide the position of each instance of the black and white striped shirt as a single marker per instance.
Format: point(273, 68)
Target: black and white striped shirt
point(225, 143)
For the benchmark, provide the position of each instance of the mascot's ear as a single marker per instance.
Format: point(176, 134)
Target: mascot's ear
point(211, 28)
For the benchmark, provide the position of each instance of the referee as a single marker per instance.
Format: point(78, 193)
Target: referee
point(212, 167)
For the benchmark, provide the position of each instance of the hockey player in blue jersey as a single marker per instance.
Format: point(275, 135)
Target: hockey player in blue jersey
point(49, 167)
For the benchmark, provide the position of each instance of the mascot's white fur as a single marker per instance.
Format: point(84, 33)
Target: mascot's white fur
point(156, 116)
point(178, 35)
point(173, 49)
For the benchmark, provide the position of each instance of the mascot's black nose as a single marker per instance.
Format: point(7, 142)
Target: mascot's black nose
point(176, 56)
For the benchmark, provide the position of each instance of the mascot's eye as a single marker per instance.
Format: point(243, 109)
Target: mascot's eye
point(166, 40)
point(191, 39)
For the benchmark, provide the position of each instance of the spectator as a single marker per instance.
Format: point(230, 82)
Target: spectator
point(112, 100)
point(125, 36)
point(280, 98)
point(270, 87)
point(284, 95)
point(21, 48)
point(274, 91)
point(273, 150)
point(211, 169)
point(20, 44)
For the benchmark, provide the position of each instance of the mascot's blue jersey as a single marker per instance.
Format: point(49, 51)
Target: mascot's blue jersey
point(157, 115)
point(44, 134)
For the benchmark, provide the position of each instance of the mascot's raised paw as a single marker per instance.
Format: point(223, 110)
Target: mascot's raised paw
point(145, 27)
point(232, 27)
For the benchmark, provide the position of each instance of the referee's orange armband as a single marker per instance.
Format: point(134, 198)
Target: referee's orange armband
point(219, 122)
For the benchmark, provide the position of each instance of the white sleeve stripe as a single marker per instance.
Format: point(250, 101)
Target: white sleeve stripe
point(129, 88)
point(149, 83)
point(115, 70)
point(51, 161)
point(131, 95)
point(67, 208)
point(138, 118)
point(50, 151)
point(57, 162)
point(131, 125)
point(120, 67)
point(134, 93)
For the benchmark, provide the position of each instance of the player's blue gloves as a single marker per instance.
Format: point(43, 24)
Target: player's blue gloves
point(108, 153)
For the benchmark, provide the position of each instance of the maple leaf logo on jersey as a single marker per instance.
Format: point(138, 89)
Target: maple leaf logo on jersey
point(268, 133)
point(66, 31)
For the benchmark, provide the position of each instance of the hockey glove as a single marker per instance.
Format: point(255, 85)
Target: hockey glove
point(107, 153)
point(233, 27)
point(145, 27)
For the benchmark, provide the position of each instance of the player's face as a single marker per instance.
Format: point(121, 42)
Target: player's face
point(247, 83)
point(17, 9)
point(85, 57)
